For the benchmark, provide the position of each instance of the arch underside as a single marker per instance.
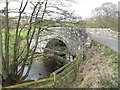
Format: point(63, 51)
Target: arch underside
point(43, 43)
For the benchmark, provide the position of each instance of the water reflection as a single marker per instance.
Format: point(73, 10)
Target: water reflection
point(37, 71)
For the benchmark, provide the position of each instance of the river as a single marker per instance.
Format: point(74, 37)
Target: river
point(42, 68)
point(38, 70)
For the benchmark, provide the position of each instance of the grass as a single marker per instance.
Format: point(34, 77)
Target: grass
point(12, 34)
point(109, 52)
point(99, 70)
point(110, 81)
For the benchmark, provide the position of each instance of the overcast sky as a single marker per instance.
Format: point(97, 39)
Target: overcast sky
point(84, 7)
point(81, 7)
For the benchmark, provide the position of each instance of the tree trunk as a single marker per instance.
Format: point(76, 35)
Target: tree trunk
point(5, 61)
point(1, 51)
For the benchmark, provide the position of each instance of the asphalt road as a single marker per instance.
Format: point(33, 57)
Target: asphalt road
point(112, 43)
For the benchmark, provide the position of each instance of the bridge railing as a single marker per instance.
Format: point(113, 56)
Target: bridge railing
point(58, 79)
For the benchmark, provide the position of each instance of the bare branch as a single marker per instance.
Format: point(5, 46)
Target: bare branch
point(21, 5)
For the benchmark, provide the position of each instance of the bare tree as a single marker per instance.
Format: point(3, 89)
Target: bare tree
point(33, 26)
point(15, 76)
point(0, 50)
point(5, 60)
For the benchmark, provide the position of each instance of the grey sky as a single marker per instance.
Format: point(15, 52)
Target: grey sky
point(85, 7)
point(81, 7)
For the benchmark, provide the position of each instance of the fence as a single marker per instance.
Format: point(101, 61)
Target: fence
point(58, 79)
point(34, 84)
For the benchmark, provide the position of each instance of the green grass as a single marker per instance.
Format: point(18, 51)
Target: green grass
point(109, 52)
point(113, 82)
point(12, 34)
point(22, 43)
point(107, 83)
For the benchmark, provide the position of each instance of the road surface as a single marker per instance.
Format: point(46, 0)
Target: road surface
point(112, 43)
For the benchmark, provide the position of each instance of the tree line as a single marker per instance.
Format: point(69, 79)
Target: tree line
point(105, 16)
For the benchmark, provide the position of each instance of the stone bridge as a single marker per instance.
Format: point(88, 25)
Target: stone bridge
point(73, 38)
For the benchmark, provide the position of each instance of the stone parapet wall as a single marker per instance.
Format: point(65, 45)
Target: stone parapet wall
point(107, 32)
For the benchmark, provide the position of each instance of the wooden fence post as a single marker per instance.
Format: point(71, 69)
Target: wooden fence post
point(54, 76)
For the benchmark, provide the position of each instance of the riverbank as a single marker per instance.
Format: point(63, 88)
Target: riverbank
point(99, 70)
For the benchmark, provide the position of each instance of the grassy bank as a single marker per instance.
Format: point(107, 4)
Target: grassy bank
point(99, 70)
point(12, 34)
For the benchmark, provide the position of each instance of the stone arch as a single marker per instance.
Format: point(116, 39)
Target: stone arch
point(42, 43)
point(73, 38)
point(61, 50)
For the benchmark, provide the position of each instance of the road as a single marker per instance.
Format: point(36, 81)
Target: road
point(112, 43)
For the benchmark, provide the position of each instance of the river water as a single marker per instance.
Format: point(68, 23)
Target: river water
point(42, 68)
point(37, 71)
